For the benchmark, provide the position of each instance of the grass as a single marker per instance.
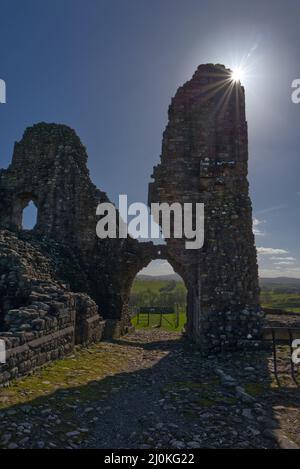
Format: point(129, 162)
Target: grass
point(279, 300)
point(168, 321)
point(274, 297)
point(159, 292)
point(85, 366)
point(155, 285)
point(52, 397)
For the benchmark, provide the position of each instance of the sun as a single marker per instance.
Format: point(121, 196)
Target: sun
point(237, 74)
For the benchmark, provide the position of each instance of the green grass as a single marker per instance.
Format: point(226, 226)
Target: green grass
point(158, 292)
point(147, 290)
point(279, 300)
point(85, 366)
point(155, 321)
point(65, 389)
point(155, 286)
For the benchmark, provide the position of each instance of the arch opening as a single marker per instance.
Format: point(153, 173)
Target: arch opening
point(158, 298)
point(29, 216)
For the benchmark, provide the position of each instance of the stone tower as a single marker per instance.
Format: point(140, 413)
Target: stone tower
point(205, 159)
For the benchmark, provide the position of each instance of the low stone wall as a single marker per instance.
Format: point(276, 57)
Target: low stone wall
point(54, 336)
point(42, 320)
point(43, 332)
point(89, 325)
point(24, 356)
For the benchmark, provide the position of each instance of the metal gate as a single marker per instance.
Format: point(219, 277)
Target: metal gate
point(283, 336)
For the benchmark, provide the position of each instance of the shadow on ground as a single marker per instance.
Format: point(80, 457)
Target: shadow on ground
point(159, 393)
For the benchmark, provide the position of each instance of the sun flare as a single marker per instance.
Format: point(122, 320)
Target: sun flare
point(237, 74)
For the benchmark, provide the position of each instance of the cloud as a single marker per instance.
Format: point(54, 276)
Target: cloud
point(280, 272)
point(271, 251)
point(271, 209)
point(275, 258)
point(284, 263)
point(156, 268)
point(257, 231)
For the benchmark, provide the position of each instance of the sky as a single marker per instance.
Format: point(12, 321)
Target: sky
point(109, 68)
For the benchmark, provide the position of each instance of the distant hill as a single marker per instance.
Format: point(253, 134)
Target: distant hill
point(281, 284)
point(284, 281)
point(149, 278)
point(288, 282)
point(264, 281)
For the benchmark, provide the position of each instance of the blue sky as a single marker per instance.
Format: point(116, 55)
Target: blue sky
point(108, 68)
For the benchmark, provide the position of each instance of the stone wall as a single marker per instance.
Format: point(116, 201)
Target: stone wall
point(205, 160)
point(55, 278)
point(49, 168)
point(41, 319)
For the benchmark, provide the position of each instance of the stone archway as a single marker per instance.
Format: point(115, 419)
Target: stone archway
point(159, 286)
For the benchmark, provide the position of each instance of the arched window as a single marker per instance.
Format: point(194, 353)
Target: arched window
point(29, 217)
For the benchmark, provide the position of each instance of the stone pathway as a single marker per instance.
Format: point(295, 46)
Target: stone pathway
point(151, 390)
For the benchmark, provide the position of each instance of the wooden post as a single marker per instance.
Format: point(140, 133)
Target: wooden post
point(160, 320)
point(177, 316)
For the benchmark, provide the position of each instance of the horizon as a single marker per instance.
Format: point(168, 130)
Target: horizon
point(155, 275)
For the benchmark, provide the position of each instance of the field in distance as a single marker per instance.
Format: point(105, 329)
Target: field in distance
point(281, 293)
point(169, 291)
point(164, 291)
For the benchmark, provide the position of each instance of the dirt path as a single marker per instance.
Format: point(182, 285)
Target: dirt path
point(149, 390)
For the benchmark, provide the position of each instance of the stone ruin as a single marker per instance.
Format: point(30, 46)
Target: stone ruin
point(205, 159)
point(60, 285)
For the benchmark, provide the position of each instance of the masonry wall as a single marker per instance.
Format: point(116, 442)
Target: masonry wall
point(205, 160)
point(41, 319)
point(49, 167)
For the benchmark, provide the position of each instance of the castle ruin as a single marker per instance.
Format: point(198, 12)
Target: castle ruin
point(60, 285)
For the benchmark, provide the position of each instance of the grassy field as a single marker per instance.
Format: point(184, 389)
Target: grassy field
point(168, 321)
point(281, 293)
point(279, 300)
point(156, 285)
point(157, 293)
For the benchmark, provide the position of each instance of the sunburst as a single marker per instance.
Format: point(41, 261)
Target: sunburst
point(237, 75)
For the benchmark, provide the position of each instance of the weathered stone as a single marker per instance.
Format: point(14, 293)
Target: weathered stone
point(49, 168)
point(56, 279)
point(204, 160)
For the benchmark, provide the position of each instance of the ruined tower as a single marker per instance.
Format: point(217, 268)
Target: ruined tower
point(205, 159)
point(49, 168)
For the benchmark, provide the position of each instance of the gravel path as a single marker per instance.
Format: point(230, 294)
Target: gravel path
point(159, 393)
point(172, 398)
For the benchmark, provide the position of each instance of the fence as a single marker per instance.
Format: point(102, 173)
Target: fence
point(161, 311)
point(283, 336)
